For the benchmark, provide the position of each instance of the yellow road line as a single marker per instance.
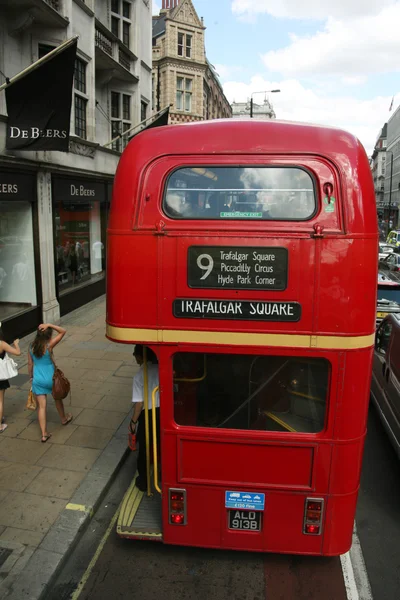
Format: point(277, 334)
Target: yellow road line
point(95, 558)
point(283, 340)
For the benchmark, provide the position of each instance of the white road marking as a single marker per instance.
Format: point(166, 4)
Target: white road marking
point(355, 573)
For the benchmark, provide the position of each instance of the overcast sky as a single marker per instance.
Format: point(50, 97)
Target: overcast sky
point(335, 62)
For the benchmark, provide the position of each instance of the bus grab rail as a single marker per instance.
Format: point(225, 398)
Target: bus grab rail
point(146, 419)
point(153, 415)
point(195, 380)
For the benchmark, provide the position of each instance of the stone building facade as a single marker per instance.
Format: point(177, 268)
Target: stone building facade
point(51, 202)
point(378, 168)
point(183, 78)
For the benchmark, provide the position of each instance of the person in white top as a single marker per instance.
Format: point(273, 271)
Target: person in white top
point(138, 417)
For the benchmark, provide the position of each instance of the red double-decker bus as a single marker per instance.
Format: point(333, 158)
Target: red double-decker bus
point(244, 254)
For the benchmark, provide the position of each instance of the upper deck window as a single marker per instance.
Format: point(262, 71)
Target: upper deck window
point(252, 193)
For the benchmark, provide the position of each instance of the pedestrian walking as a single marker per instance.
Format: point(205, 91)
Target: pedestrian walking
point(14, 349)
point(138, 417)
point(41, 371)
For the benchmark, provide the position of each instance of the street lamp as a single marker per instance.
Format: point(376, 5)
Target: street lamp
point(265, 92)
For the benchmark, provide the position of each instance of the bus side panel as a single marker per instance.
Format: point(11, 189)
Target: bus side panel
point(353, 400)
point(347, 286)
point(346, 467)
point(132, 281)
point(339, 521)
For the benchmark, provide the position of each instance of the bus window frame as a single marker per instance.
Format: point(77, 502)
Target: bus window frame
point(148, 204)
point(327, 430)
point(241, 166)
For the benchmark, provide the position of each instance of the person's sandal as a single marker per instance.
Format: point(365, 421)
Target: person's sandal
point(45, 438)
point(69, 419)
point(3, 427)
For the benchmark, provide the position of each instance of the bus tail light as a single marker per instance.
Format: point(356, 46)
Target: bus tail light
point(313, 514)
point(177, 506)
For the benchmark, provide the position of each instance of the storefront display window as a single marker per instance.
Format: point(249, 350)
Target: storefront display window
point(80, 211)
point(17, 265)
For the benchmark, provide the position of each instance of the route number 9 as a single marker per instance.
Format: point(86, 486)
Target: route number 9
point(205, 262)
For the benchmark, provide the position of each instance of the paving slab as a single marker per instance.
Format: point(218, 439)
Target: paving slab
point(16, 477)
point(102, 365)
point(90, 437)
point(106, 419)
point(16, 425)
point(69, 458)
point(22, 536)
point(60, 434)
point(30, 511)
point(94, 354)
point(121, 404)
point(84, 399)
point(96, 375)
point(22, 451)
point(57, 483)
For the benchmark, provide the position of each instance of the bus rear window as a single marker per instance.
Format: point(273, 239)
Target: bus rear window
point(258, 393)
point(252, 193)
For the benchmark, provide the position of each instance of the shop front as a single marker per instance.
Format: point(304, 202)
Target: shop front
point(20, 285)
point(80, 209)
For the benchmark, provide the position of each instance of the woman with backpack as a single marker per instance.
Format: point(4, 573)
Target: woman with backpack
point(41, 371)
point(4, 384)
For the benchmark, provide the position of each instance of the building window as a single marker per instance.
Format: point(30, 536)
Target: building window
point(80, 116)
point(184, 87)
point(121, 20)
point(120, 119)
point(126, 27)
point(17, 252)
point(143, 110)
point(80, 222)
point(115, 26)
point(80, 76)
point(184, 44)
point(80, 99)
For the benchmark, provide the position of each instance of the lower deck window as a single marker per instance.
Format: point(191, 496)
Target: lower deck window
point(259, 393)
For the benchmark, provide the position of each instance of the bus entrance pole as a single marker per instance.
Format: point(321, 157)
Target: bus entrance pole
point(146, 419)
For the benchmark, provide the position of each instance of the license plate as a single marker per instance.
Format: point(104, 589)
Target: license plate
point(244, 520)
point(381, 315)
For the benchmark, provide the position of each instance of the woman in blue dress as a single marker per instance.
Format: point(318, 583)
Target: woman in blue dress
point(41, 371)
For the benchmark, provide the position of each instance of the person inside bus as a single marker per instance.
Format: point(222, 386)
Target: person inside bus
point(138, 417)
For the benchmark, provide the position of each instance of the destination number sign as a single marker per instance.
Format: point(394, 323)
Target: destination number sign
point(245, 310)
point(243, 268)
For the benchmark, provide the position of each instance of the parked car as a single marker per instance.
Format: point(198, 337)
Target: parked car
point(391, 262)
point(385, 383)
point(385, 307)
point(385, 250)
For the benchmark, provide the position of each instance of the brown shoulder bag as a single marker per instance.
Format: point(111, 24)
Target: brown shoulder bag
point(61, 385)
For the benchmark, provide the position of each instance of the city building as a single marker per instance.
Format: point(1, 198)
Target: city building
point(54, 205)
point(241, 110)
point(392, 174)
point(183, 78)
point(378, 168)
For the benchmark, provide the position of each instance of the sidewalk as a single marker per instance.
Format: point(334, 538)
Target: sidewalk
point(48, 492)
